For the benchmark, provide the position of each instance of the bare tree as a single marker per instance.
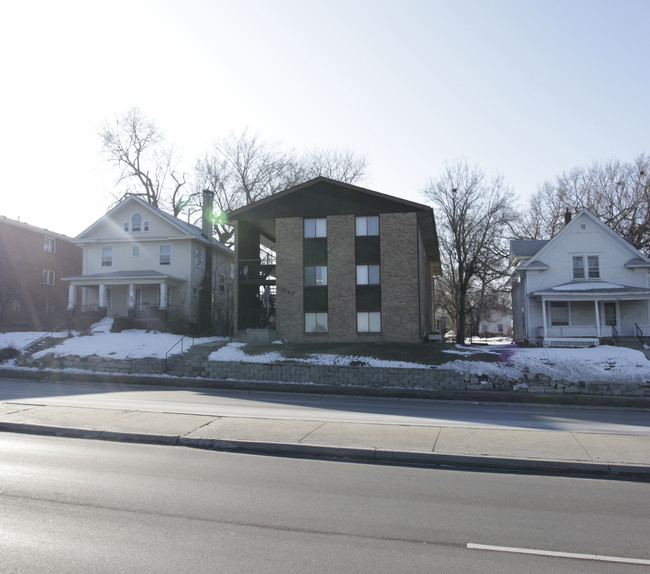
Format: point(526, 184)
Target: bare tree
point(616, 192)
point(472, 216)
point(244, 168)
point(135, 146)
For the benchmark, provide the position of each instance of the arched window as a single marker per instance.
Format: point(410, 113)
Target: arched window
point(136, 222)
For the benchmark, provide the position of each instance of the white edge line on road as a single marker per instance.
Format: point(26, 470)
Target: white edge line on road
point(595, 557)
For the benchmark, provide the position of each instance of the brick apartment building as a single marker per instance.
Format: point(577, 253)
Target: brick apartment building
point(32, 263)
point(332, 262)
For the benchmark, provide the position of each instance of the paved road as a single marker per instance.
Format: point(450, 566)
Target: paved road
point(324, 408)
point(87, 506)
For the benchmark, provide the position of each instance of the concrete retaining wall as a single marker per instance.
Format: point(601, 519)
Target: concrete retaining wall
point(355, 376)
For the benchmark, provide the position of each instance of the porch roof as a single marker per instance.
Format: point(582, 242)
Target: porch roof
point(124, 277)
point(593, 290)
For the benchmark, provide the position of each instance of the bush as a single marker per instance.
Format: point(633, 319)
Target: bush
point(8, 353)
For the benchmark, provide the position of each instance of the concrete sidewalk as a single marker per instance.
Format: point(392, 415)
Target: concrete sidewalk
point(535, 451)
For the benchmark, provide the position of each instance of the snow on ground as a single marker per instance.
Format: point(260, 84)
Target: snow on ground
point(605, 363)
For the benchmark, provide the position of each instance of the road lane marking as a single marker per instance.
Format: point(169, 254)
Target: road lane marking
point(595, 557)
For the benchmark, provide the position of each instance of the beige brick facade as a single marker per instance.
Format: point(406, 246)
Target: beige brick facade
point(289, 275)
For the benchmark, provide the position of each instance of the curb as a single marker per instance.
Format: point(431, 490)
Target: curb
point(369, 455)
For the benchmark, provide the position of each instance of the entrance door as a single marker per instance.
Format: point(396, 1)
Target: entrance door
point(610, 314)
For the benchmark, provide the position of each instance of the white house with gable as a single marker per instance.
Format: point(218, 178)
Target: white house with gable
point(585, 284)
point(153, 270)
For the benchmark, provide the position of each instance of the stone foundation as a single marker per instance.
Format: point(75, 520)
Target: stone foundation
point(431, 379)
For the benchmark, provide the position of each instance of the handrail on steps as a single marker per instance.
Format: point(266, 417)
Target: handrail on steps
point(181, 343)
point(638, 333)
point(43, 337)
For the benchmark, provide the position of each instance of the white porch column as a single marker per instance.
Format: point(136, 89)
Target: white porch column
point(72, 297)
point(597, 319)
point(131, 297)
point(102, 295)
point(163, 295)
point(544, 315)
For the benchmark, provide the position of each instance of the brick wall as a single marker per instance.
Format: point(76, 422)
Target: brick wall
point(341, 278)
point(289, 274)
point(399, 277)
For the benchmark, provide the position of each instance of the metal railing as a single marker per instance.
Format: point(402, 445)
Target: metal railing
point(638, 333)
point(182, 339)
point(50, 334)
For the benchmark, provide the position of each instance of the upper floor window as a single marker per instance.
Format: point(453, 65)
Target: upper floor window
point(49, 245)
point(367, 225)
point(316, 276)
point(136, 224)
point(198, 256)
point(48, 277)
point(316, 227)
point(165, 255)
point(107, 256)
point(222, 283)
point(585, 266)
point(367, 274)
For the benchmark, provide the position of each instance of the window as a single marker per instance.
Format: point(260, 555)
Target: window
point(369, 322)
point(593, 267)
point(135, 251)
point(49, 308)
point(585, 267)
point(368, 225)
point(316, 322)
point(136, 222)
point(367, 274)
point(316, 227)
point(559, 313)
point(222, 283)
point(165, 255)
point(316, 276)
point(198, 256)
point(107, 256)
point(49, 245)
point(48, 277)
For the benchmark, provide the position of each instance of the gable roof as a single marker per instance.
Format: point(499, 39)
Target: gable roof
point(184, 227)
point(637, 259)
point(333, 198)
point(322, 196)
point(523, 248)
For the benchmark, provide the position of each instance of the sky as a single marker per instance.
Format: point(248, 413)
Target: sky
point(524, 88)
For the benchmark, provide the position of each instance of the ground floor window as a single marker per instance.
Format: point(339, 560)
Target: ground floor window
point(559, 313)
point(316, 322)
point(369, 322)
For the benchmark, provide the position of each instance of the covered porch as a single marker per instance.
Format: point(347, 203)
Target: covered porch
point(146, 298)
point(585, 314)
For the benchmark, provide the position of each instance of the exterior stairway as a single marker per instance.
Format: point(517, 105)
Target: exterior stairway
point(176, 363)
point(633, 343)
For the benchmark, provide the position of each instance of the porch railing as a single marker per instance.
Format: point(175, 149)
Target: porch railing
point(577, 331)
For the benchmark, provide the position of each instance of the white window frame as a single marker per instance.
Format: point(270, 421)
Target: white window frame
point(315, 227)
point(137, 223)
point(314, 322)
point(363, 275)
point(48, 277)
point(369, 322)
point(49, 244)
point(198, 256)
point(160, 255)
point(106, 257)
point(584, 261)
point(365, 225)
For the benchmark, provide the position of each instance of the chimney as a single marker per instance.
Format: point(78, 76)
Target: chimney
point(206, 220)
point(567, 216)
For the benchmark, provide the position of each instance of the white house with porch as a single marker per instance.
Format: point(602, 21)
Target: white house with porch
point(584, 285)
point(153, 270)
